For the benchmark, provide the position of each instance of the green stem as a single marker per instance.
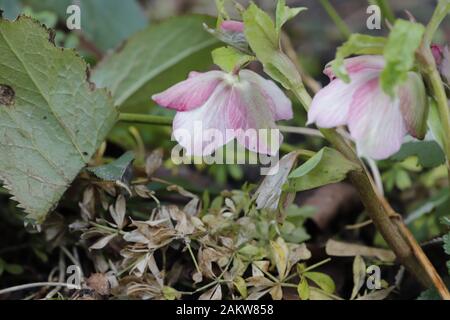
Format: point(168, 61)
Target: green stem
point(338, 21)
point(145, 119)
point(316, 265)
point(439, 14)
point(385, 8)
point(431, 74)
point(194, 260)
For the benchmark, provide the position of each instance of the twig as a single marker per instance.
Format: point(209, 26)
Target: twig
point(61, 267)
point(38, 284)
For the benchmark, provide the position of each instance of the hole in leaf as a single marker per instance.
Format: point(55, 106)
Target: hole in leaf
point(7, 95)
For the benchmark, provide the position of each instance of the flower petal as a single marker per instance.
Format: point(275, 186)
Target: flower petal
point(414, 105)
point(250, 115)
point(233, 26)
point(280, 105)
point(203, 130)
point(191, 93)
point(376, 122)
point(330, 106)
point(358, 64)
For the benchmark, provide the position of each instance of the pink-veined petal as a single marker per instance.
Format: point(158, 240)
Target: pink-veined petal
point(191, 93)
point(280, 105)
point(233, 26)
point(414, 105)
point(331, 105)
point(375, 122)
point(358, 64)
point(203, 130)
point(251, 117)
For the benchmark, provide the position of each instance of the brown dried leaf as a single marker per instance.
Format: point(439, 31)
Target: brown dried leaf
point(269, 192)
point(118, 211)
point(276, 292)
point(215, 293)
point(102, 242)
point(344, 249)
point(377, 294)
point(153, 161)
point(99, 283)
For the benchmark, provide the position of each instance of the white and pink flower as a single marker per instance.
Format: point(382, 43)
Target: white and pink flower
point(226, 103)
point(377, 122)
point(441, 55)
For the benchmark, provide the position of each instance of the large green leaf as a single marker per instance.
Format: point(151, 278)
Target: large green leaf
point(147, 63)
point(116, 170)
point(429, 153)
point(262, 36)
point(325, 167)
point(51, 118)
point(106, 23)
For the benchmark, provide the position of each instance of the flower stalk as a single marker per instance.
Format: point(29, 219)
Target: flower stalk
point(337, 19)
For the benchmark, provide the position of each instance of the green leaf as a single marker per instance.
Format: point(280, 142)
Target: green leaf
point(429, 153)
point(324, 281)
point(325, 167)
point(105, 23)
point(170, 293)
point(52, 118)
point(432, 293)
point(13, 269)
point(154, 59)
point(399, 53)
point(435, 124)
point(222, 12)
point(402, 180)
point(429, 205)
point(447, 243)
point(228, 58)
point(357, 44)
point(241, 286)
point(303, 289)
point(252, 252)
point(284, 14)
point(116, 170)
point(262, 37)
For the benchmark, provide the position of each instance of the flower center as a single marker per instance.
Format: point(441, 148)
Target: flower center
point(231, 79)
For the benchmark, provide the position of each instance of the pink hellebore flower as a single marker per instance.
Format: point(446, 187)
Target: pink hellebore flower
point(442, 57)
point(377, 122)
point(228, 104)
point(232, 26)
